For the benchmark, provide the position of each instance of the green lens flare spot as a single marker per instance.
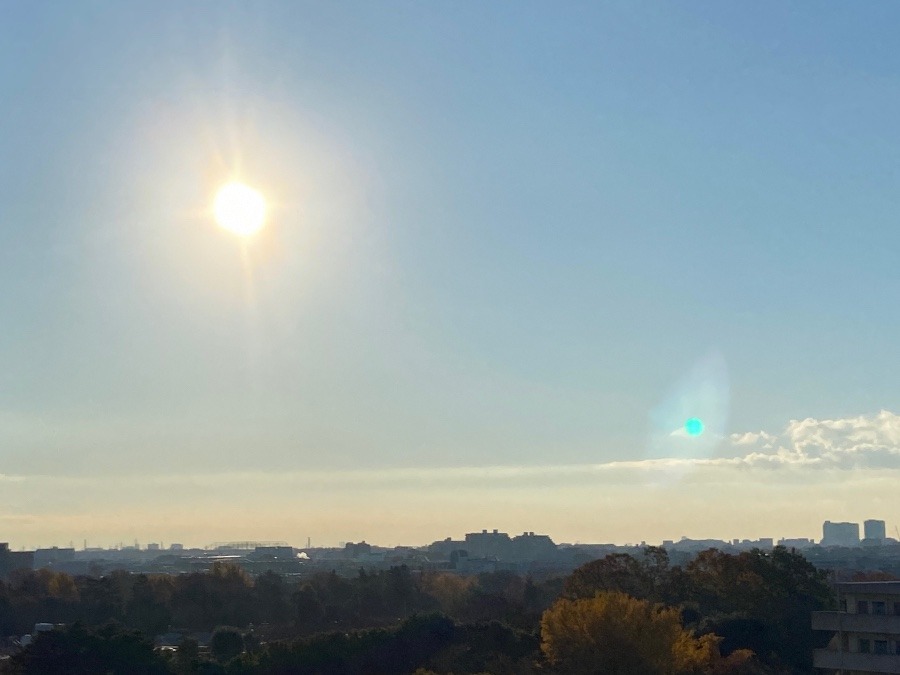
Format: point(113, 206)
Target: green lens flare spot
point(694, 426)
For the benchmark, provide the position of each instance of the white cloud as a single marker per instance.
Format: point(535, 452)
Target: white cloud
point(760, 439)
point(863, 442)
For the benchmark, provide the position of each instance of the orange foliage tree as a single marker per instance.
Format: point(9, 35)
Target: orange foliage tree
point(616, 634)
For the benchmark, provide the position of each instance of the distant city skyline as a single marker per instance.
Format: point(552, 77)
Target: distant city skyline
point(839, 534)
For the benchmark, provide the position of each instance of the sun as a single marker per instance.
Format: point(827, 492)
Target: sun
point(240, 209)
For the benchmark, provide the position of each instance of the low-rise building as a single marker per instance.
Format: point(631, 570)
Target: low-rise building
point(14, 560)
point(48, 557)
point(866, 630)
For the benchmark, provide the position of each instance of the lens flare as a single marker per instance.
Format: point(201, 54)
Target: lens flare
point(694, 426)
point(691, 421)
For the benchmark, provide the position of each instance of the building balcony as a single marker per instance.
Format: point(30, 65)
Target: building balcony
point(867, 663)
point(856, 623)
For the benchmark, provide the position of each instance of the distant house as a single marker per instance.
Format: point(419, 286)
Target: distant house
point(866, 629)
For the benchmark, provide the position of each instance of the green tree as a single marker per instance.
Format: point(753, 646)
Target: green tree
point(615, 572)
point(81, 651)
point(307, 608)
point(226, 643)
point(187, 656)
point(272, 598)
point(146, 610)
point(761, 600)
point(224, 596)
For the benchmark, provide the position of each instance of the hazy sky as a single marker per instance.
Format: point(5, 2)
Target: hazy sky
point(512, 246)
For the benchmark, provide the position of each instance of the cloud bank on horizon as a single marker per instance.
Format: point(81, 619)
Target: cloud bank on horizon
point(855, 457)
point(864, 442)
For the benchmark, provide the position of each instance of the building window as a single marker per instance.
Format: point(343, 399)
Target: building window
point(897, 646)
point(879, 607)
point(844, 606)
point(862, 606)
point(897, 609)
point(864, 646)
point(881, 647)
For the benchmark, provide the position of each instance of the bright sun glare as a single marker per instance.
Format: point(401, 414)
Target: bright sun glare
point(240, 209)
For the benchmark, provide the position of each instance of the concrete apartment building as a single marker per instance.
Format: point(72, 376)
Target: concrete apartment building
point(486, 544)
point(866, 630)
point(497, 545)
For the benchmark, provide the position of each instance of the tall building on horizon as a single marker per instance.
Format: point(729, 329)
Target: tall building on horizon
point(874, 530)
point(840, 534)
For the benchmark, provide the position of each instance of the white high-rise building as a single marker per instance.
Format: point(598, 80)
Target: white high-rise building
point(874, 530)
point(840, 534)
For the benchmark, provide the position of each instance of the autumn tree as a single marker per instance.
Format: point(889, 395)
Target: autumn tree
point(756, 600)
point(615, 634)
point(450, 590)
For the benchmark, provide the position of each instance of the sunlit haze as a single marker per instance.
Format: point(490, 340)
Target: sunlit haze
point(608, 271)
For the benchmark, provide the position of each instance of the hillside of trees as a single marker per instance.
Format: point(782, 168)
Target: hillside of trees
point(720, 613)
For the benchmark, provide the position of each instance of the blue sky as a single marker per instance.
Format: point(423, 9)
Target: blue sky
point(501, 235)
